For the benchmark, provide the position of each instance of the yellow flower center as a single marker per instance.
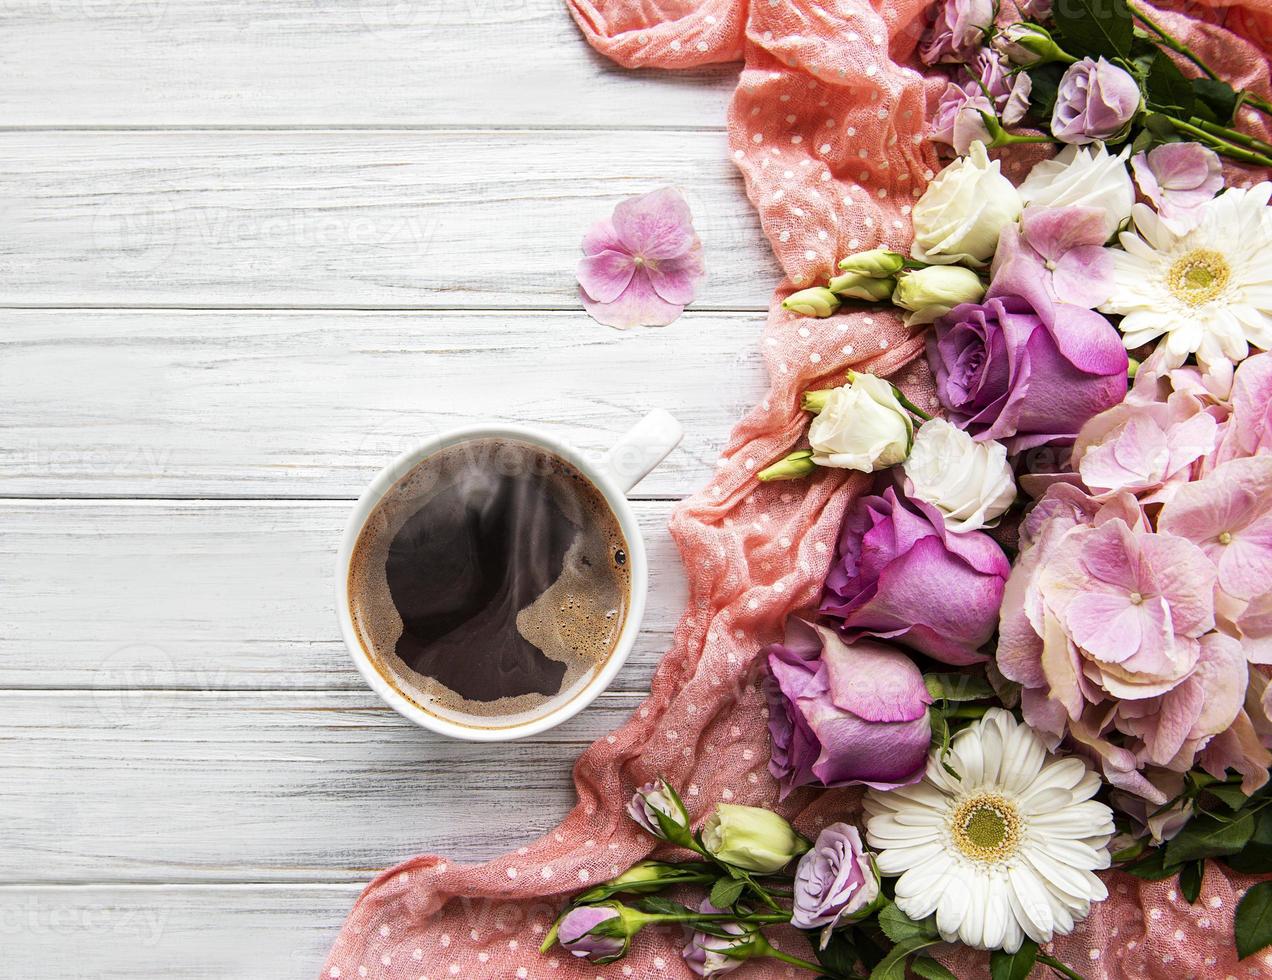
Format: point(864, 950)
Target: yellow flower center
point(1198, 276)
point(987, 828)
point(1136, 598)
point(1225, 537)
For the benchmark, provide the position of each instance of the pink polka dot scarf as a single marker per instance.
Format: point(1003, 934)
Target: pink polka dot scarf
point(826, 127)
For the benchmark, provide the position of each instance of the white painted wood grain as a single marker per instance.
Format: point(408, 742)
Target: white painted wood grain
point(177, 932)
point(349, 219)
point(336, 62)
point(153, 786)
point(214, 595)
point(301, 404)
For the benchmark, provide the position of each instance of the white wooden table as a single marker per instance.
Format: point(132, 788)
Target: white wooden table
point(249, 250)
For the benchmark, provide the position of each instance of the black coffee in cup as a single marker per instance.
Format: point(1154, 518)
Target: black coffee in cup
point(490, 583)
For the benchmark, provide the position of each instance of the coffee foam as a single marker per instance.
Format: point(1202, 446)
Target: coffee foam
point(577, 621)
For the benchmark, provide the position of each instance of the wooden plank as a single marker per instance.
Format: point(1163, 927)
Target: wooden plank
point(153, 786)
point(346, 62)
point(213, 596)
point(183, 932)
point(339, 219)
point(312, 404)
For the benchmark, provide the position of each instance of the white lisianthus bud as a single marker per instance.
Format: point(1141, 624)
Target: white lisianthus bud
point(750, 838)
point(860, 426)
point(854, 285)
point(932, 292)
point(878, 263)
point(969, 482)
point(817, 301)
point(960, 215)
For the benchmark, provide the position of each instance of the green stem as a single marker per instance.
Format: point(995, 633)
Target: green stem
point(1172, 42)
point(1059, 967)
point(1232, 135)
point(1220, 145)
point(756, 919)
point(909, 406)
point(765, 949)
point(971, 711)
point(1179, 47)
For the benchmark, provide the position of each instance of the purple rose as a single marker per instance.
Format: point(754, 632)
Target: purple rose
point(1022, 368)
point(705, 955)
point(835, 879)
point(575, 933)
point(898, 573)
point(1097, 101)
point(958, 31)
point(843, 715)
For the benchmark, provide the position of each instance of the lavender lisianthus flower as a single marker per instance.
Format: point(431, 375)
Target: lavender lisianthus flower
point(657, 798)
point(958, 31)
point(843, 715)
point(706, 955)
point(1097, 101)
point(836, 879)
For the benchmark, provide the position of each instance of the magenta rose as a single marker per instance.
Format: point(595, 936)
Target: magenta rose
point(1022, 368)
point(899, 574)
point(1097, 101)
point(844, 715)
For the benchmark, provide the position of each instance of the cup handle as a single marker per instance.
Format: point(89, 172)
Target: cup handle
point(641, 448)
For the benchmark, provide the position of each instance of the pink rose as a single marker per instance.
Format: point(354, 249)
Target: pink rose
point(1096, 101)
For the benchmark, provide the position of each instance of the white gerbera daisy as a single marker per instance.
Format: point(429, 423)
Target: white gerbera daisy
point(1003, 851)
point(1208, 288)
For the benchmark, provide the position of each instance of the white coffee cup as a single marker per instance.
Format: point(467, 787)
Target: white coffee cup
point(628, 460)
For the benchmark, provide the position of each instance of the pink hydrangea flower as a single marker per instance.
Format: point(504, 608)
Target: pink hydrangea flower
point(1142, 447)
point(1228, 515)
point(1178, 178)
point(1249, 428)
point(1063, 248)
point(640, 266)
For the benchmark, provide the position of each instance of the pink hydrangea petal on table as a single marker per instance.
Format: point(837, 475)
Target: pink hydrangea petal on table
point(638, 306)
point(640, 266)
point(656, 225)
point(606, 274)
point(676, 279)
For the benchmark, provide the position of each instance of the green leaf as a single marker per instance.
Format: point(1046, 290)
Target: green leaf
point(892, 966)
point(1190, 878)
point(839, 956)
point(1095, 28)
point(1256, 857)
point(929, 969)
point(1229, 795)
point(1207, 835)
point(657, 905)
point(899, 927)
point(1153, 867)
point(1215, 101)
point(726, 891)
point(1254, 920)
point(1013, 966)
point(957, 687)
point(1044, 87)
point(1167, 87)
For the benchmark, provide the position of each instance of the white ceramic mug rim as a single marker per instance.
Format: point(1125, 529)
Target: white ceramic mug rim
point(637, 564)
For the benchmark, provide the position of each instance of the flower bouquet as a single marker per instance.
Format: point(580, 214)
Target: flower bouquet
point(1044, 643)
